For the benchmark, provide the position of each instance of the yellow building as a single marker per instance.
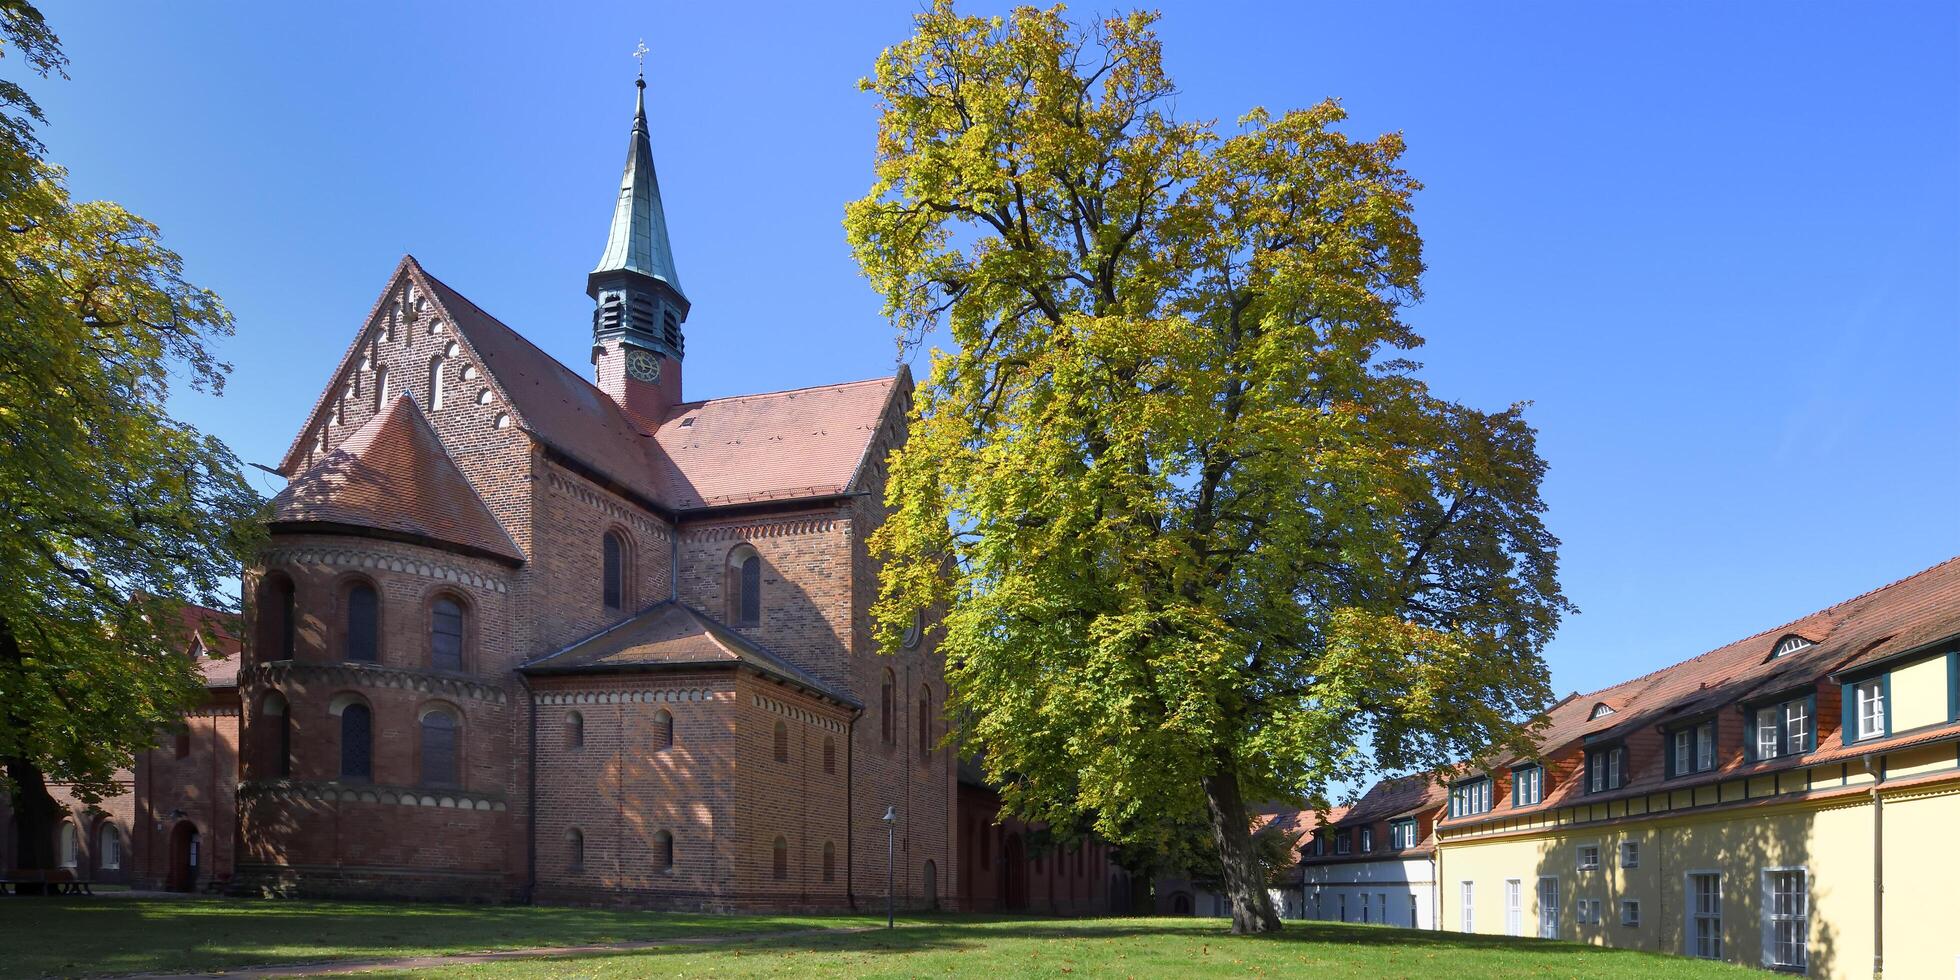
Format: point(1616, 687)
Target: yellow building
point(1787, 801)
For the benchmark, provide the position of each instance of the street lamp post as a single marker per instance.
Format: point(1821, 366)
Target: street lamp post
point(891, 825)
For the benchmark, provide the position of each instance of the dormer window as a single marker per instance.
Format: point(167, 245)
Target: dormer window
point(1789, 645)
point(1691, 750)
point(1600, 710)
point(1782, 729)
point(1606, 769)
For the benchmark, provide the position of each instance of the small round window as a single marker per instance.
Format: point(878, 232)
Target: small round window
point(913, 631)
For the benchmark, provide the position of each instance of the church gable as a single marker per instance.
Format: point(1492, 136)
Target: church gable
point(408, 344)
point(394, 476)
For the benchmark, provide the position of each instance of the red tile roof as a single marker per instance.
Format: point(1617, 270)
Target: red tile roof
point(674, 635)
point(744, 449)
point(1915, 611)
point(801, 443)
point(213, 640)
point(393, 475)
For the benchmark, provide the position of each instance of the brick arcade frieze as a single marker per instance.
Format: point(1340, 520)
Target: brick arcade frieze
point(296, 791)
point(373, 676)
point(379, 561)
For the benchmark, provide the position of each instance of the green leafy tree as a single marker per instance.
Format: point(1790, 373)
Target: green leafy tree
point(112, 514)
point(1201, 533)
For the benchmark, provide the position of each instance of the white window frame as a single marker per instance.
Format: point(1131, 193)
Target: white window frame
point(1514, 907)
point(1468, 894)
point(1796, 726)
point(1630, 912)
point(1367, 840)
point(68, 841)
point(1691, 916)
point(1547, 911)
point(1770, 918)
point(1629, 854)
point(108, 844)
point(1871, 706)
point(1705, 746)
point(1684, 751)
point(1769, 740)
point(1579, 857)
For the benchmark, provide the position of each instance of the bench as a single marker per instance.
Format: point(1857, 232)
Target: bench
point(59, 881)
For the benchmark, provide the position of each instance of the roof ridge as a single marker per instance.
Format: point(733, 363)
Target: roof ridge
point(698, 402)
point(1868, 593)
point(526, 341)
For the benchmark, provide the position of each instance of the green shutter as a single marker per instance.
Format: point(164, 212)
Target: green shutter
point(1848, 730)
point(1890, 708)
point(1810, 740)
point(1749, 740)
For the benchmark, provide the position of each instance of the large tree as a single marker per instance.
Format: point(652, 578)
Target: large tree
point(113, 515)
point(1201, 534)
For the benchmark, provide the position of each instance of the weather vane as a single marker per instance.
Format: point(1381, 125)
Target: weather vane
point(640, 52)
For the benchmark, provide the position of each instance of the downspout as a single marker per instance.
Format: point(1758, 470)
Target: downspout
point(1435, 888)
point(850, 810)
point(531, 794)
point(1878, 865)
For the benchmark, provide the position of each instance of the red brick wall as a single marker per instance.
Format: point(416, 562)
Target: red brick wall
point(620, 789)
point(1059, 878)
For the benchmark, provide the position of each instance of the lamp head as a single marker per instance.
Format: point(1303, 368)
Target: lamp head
point(891, 814)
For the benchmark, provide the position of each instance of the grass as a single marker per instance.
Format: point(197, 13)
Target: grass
point(63, 937)
point(80, 936)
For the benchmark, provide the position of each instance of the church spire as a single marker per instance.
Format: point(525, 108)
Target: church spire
point(636, 326)
point(638, 241)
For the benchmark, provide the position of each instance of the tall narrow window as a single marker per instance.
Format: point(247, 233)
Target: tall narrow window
point(363, 623)
point(1469, 910)
point(70, 846)
point(1796, 727)
point(663, 730)
point(779, 860)
point(1871, 707)
point(829, 755)
point(285, 616)
point(925, 723)
point(887, 718)
point(829, 861)
point(663, 851)
point(1514, 907)
point(1705, 915)
point(1548, 908)
point(752, 591)
point(574, 730)
point(446, 635)
point(273, 712)
point(381, 387)
point(435, 382)
point(575, 849)
point(1786, 944)
point(108, 847)
point(615, 572)
point(1767, 743)
point(356, 743)
point(440, 749)
point(782, 742)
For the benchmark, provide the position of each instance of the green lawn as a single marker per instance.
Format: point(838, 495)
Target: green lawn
point(69, 937)
point(64, 937)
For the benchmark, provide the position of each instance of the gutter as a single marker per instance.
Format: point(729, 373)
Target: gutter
point(850, 810)
point(531, 795)
point(1878, 862)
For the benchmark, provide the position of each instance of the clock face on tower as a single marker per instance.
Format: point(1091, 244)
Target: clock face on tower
point(642, 365)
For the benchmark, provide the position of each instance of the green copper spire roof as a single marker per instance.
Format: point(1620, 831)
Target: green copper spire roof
point(638, 242)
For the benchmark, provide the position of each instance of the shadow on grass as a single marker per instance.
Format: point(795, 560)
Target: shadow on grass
point(63, 937)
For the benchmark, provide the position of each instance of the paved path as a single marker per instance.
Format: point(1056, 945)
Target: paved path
point(329, 967)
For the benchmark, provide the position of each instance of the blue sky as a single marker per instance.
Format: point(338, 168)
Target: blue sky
point(1717, 245)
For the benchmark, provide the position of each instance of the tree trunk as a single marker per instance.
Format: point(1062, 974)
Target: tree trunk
point(1244, 879)
point(35, 812)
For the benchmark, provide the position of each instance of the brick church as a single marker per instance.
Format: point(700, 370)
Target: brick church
point(518, 634)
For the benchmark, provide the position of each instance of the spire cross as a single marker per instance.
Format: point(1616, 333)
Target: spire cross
point(640, 52)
